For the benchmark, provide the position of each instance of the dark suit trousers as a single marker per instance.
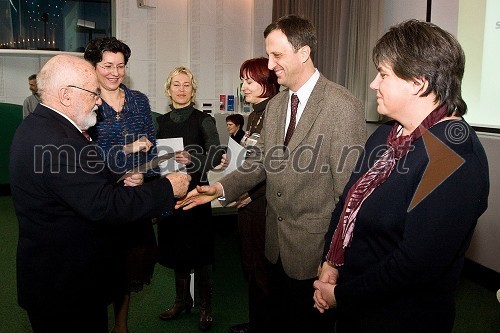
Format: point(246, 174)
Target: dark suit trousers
point(84, 319)
point(292, 304)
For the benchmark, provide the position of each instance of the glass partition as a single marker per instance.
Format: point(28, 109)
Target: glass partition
point(61, 25)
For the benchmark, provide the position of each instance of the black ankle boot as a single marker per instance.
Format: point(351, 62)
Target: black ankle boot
point(183, 299)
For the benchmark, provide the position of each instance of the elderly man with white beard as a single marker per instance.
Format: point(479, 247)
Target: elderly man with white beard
point(68, 204)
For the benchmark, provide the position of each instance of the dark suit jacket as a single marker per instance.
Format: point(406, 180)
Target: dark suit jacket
point(67, 204)
point(305, 182)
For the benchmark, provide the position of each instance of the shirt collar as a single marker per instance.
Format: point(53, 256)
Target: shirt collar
point(305, 91)
point(62, 114)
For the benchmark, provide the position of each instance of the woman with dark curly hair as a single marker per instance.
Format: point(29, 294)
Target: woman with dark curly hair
point(125, 132)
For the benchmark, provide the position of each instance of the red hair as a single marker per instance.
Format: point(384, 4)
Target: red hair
point(257, 70)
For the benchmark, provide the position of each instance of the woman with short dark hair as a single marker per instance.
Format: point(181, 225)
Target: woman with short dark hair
point(234, 123)
point(398, 235)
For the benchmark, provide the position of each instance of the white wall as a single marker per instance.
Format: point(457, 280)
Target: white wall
point(14, 72)
point(396, 11)
point(211, 37)
point(444, 12)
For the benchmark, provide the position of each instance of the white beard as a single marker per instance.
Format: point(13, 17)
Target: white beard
point(88, 121)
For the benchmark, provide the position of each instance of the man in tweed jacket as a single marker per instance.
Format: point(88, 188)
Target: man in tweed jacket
point(304, 179)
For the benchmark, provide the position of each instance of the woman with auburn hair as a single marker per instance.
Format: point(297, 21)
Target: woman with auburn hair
point(259, 84)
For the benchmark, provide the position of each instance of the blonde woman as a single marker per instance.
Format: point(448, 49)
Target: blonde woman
point(186, 238)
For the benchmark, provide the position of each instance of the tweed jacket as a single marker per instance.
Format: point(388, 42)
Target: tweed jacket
point(304, 181)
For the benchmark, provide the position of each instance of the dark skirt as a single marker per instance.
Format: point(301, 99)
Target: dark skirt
point(186, 239)
point(252, 230)
point(138, 255)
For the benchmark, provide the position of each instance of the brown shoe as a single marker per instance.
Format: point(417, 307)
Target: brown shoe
point(183, 299)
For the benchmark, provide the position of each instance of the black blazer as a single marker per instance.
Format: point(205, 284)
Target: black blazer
point(68, 204)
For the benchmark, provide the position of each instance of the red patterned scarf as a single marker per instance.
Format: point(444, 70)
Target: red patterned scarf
point(397, 147)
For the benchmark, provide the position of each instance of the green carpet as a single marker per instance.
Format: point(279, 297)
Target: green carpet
point(478, 310)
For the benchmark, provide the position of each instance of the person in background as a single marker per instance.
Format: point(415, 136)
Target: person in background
point(32, 100)
point(259, 84)
point(125, 133)
point(68, 204)
point(186, 238)
point(305, 167)
point(234, 123)
point(396, 244)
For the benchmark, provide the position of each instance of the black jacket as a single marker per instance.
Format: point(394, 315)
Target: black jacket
point(67, 204)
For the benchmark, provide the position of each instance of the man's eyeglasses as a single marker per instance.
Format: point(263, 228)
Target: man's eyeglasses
point(96, 94)
point(109, 68)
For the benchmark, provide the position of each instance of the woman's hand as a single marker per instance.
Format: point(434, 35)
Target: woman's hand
point(324, 295)
point(243, 200)
point(141, 144)
point(183, 157)
point(324, 287)
point(224, 162)
point(134, 179)
point(328, 273)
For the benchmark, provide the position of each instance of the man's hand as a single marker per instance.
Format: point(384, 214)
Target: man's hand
point(199, 196)
point(141, 144)
point(134, 179)
point(180, 183)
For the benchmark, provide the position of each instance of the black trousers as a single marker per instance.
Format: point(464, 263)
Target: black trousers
point(292, 304)
point(76, 320)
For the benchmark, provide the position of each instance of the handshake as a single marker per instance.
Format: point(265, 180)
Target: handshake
point(179, 182)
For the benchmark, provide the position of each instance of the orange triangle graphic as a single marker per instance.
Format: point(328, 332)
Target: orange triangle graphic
point(436, 171)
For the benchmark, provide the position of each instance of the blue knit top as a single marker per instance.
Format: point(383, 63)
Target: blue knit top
point(111, 133)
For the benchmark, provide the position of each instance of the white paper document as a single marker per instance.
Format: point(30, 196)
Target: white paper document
point(171, 145)
point(236, 154)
